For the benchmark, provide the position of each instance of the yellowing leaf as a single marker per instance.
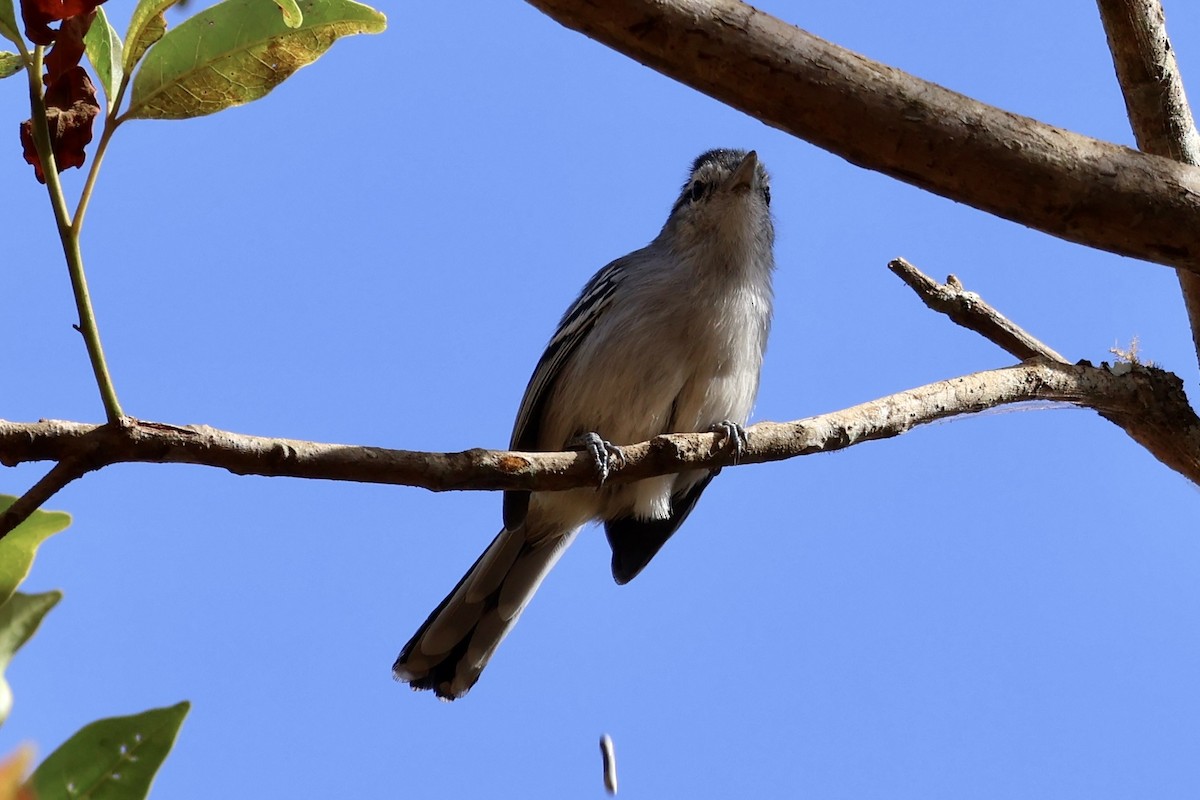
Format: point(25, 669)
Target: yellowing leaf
point(292, 15)
point(236, 52)
point(146, 26)
point(10, 64)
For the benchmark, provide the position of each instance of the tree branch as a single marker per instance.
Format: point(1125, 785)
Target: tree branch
point(973, 312)
point(1071, 186)
point(1145, 63)
point(1155, 101)
point(1167, 426)
point(1147, 402)
point(59, 476)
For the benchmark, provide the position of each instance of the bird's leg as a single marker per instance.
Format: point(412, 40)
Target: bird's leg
point(733, 436)
point(604, 454)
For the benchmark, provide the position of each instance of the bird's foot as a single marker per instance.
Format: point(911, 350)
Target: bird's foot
point(605, 455)
point(733, 436)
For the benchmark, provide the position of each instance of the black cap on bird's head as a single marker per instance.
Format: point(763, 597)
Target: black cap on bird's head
point(723, 157)
point(724, 170)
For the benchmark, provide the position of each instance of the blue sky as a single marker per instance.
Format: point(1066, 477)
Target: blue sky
point(376, 253)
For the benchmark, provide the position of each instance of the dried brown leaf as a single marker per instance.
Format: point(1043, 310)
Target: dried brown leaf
point(38, 14)
point(71, 110)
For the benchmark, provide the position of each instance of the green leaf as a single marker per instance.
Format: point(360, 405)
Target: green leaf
point(110, 759)
point(236, 52)
point(8, 23)
point(292, 15)
point(18, 548)
point(10, 63)
point(104, 50)
point(19, 619)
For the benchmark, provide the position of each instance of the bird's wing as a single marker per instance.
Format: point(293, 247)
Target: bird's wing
point(574, 327)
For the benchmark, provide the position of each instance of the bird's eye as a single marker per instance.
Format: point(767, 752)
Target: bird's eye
point(766, 191)
point(697, 191)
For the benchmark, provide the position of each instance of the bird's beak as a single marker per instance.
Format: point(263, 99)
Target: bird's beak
point(743, 177)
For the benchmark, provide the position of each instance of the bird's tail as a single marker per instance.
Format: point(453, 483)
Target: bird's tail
point(451, 648)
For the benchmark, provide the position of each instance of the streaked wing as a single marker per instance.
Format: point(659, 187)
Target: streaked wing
point(574, 327)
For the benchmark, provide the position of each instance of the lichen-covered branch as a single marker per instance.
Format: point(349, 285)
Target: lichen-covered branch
point(1071, 186)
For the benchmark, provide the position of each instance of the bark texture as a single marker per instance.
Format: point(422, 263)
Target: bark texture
point(1080, 189)
point(1155, 102)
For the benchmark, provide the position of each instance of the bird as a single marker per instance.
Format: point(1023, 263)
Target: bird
point(667, 339)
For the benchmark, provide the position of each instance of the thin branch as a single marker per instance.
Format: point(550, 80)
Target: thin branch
point(1167, 426)
point(1071, 186)
point(40, 125)
point(59, 476)
point(1155, 101)
point(974, 313)
point(70, 242)
point(88, 327)
point(1147, 402)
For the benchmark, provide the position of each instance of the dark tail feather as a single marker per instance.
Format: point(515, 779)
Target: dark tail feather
point(451, 648)
point(635, 541)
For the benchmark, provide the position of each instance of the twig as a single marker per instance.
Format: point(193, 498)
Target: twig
point(1155, 102)
point(59, 476)
point(972, 312)
point(1065, 184)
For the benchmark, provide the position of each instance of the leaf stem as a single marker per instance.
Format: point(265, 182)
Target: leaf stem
point(69, 237)
point(85, 196)
point(111, 121)
point(26, 56)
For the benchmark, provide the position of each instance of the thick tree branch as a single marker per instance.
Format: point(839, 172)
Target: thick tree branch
point(1155, 101)
point(1145, 63)
point(1074, 187)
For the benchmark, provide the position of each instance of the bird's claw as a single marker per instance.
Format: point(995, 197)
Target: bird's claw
point(733, 436)
point(605, 455)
